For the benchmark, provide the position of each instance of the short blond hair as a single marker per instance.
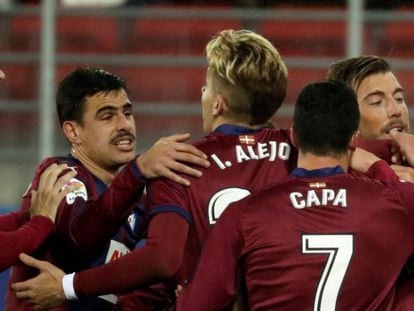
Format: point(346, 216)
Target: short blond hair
point(251, 73)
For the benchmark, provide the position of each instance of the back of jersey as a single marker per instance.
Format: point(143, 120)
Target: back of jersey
point(325, 243)
point(240, 164)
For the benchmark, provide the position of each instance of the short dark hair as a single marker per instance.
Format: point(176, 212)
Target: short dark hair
point(325, 118)
point(79, 84)
point(354, 70)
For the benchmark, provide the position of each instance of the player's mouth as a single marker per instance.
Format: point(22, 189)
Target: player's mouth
point(124, 142)
point(400, 127)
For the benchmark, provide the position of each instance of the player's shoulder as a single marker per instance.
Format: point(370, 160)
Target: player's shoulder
point(82, 172)
point(358, 177)
point(261, 134)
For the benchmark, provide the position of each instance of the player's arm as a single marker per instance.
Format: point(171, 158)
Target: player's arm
point(88, 222)
point(368, 163)
point(216, 282)
point(109, 210)
point(169, 157)
point(44, 204)
point(160, 258)
point(10, 221)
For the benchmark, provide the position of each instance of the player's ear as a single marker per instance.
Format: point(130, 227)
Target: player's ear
point(353, 141)
point(220, 105)
point(71, 130)
point(292, 135)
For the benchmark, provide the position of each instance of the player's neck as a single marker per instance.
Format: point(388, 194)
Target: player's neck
point(107, 176)
point(311, 161)
point(222, 121)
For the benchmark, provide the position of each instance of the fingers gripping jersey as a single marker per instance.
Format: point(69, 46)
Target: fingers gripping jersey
point(94, 223)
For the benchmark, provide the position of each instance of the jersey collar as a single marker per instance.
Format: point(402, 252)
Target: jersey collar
point(326, 171)
point(229, 129)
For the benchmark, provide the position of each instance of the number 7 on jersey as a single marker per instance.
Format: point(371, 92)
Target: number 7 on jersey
point(339, 248)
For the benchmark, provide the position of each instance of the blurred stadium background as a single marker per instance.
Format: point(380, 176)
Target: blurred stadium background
point(158, 46)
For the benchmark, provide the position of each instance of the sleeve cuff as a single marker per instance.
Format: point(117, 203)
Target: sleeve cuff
point(136, 171)
point(68, 286)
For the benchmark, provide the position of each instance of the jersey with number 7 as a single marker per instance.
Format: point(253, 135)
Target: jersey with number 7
point(321, 240)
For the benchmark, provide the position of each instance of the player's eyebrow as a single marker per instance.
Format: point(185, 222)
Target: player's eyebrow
point(110, 108)
point(376, 92)
point(107, 108)
point(398, 90)
point(382, 93)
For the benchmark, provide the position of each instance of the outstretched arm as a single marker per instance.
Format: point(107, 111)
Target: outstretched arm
point(160, 258)
point(44, 204)
point(165, 159)
point(217, 279)
point(171, 155)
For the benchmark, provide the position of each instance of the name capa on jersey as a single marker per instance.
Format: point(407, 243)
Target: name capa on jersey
point(321, 198)
point(270, 149)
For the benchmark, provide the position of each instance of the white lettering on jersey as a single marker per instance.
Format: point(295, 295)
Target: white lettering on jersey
point(116, 250)
point(312, 198)
point(80, 191)
point(270, 150)
point(222, 199)
point(219, 163)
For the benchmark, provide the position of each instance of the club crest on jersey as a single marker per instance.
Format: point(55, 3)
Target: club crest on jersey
point(247, 139)
point(79, 191)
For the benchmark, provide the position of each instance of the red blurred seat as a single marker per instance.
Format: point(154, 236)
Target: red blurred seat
point(180, 84)
point(22, 81)
point(299, 78)
point(175, 36)
point(86, 34)
point(24, 33)
point(298, 38)
point(73, 34)
point(398, 39)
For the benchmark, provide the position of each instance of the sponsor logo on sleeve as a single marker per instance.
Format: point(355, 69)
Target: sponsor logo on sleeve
point(79, 191)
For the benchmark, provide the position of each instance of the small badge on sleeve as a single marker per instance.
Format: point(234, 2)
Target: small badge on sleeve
point(80, 191)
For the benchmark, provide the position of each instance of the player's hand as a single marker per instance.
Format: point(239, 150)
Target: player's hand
point(168, 156)
point(361, 160)
point(405, 173)
point(405, 143)
point(45, 290)
point(52, 189)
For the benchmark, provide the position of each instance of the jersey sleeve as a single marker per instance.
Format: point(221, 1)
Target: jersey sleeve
point(25, 239)
point(217, 279)
point(167, 196)
point(85, 220)
point(160, 258)
point(10, 221)
point(382, 148)
point(382, 171)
